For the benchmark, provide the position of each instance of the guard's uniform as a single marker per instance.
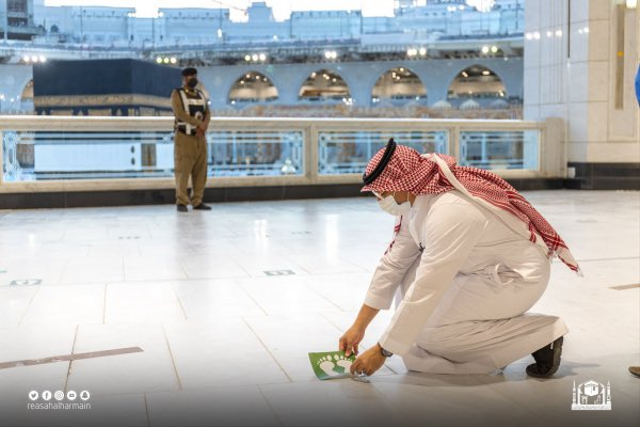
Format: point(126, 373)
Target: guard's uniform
point(190, 151)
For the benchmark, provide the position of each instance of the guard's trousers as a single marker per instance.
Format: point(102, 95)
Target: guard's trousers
point(190, 160)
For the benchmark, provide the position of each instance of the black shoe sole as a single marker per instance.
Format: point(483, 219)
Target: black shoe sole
point(533, 370)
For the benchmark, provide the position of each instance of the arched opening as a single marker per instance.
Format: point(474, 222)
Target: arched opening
point(26, 98)
point(399, 84)
point(252, 87)
point(479, 83)
point(324, 85)
point(27, 92)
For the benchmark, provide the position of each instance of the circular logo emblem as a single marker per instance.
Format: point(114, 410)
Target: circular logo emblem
point(85, 395)
point(72, 395)
point(33, 395)
point(46, 395)
point(59, 395)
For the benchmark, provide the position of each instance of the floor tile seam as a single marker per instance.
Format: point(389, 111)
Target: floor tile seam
point(146, 409)
point(351, 263)
point(173, 360)
point(271, 408)
point(326, 299)
point(267, 349)
point(73, 349)
point(163, 281)
point(392, 406)
point(99, 394)
point(624, 392)
point(184, 270)
point(179, 301)
point(532, 413)
point(26, 310)
point(293, 261)
point(208, 388)
point(338, 328)
point(147, 230)
point(64, 234)
point(248, 294)
point(63, 271)
point(338, 273)
point(240, 266)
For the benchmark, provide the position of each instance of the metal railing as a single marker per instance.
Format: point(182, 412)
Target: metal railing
point(56, 153)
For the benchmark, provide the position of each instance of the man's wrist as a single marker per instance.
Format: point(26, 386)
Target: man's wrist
point(359, 326)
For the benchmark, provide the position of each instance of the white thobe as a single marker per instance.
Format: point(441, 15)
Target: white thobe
point(466, 281)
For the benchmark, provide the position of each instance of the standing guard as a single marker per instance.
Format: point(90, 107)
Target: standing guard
point(191, 110)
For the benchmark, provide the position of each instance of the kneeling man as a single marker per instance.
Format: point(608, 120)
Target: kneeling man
point(470, 257)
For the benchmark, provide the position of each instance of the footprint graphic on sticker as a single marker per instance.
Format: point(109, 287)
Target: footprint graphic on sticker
point(335, 365)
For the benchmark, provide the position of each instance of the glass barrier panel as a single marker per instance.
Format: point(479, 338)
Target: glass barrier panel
point(43, 155)
point(255, 153)
point(500, 149)
point(347, 152)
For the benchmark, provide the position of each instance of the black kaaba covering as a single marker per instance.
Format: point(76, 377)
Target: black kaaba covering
point(106, 87)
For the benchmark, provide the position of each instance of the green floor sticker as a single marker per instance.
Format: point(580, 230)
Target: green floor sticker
point(331, 365)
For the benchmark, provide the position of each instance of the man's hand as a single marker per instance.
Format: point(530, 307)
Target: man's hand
point(368, 362)
point(200, 132)
point(351, 339)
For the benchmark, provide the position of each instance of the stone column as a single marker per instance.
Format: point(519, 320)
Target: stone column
point(580, 61)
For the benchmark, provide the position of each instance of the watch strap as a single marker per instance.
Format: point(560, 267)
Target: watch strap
point(385, 353)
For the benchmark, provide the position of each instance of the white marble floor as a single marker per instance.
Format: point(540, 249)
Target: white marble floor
point(225, 337)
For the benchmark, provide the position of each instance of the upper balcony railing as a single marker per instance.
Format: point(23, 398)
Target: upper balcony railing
point(50, 153)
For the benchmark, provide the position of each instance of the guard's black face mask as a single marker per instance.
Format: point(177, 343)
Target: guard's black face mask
point(192, 82)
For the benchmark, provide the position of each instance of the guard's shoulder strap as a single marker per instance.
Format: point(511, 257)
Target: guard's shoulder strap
point(184, 100)
point(202, 96)
point(180, 92)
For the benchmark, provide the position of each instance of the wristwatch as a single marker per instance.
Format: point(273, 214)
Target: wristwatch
point(385, 353)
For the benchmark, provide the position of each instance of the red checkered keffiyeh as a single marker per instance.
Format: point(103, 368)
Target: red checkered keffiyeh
point(409, 171)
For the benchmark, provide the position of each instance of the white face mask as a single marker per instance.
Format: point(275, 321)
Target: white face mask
point(389, 205)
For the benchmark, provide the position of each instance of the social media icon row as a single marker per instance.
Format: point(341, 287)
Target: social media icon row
point(59, 395)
